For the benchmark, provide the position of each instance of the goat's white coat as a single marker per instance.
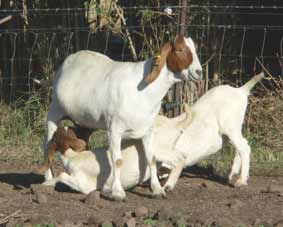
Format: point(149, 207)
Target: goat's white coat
point(97, 92)
point(220, 111)
point(178, 143)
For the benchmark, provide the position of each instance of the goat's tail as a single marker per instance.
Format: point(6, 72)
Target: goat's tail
point(252, 82)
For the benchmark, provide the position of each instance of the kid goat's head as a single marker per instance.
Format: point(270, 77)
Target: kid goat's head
point(63, 139)
point(181, 59)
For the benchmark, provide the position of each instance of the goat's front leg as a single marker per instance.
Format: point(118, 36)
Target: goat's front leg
point(151, 161)
point(115, 138)
point(173, 177)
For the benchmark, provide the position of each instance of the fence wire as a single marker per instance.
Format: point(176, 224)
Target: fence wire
point(35, 41)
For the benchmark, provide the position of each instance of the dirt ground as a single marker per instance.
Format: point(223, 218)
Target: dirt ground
point(200, 199)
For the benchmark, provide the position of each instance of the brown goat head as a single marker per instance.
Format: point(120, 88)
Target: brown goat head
point(178, 56)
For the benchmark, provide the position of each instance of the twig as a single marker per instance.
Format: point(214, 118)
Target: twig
point(146, 40)
point(127, 32)
point(6, 219)
point(263, 67)
point(210, 58)
point(271, 77)
point(5, 19)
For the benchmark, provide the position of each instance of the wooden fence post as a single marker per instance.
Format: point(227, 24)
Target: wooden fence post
point(183, 16)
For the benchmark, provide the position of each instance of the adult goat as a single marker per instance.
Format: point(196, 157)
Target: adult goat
point(122, 97)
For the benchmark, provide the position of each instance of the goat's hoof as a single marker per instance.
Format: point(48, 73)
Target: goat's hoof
point(231, 177)
point(240, 183)
point(48, 175)
point(118, 196)
point(49, 183)
point(168, 188)
point(231, 180)
point(159, 194)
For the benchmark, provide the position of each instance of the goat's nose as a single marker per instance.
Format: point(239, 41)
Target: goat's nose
point(199, 73)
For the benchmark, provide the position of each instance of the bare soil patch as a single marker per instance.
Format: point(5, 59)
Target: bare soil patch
point(199, 199)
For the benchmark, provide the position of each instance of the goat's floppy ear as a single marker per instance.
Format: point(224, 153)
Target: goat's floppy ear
point(49, 159)
point(77, 144)
point(158, 63)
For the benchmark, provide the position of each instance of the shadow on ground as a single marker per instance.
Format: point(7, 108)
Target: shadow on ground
point(21, 179)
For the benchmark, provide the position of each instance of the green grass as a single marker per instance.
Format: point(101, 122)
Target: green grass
point(107, 225)
point(150, 221)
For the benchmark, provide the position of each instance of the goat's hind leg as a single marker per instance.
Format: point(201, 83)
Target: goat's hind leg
point(173, 177)
point(244, 150)
point(236, 166)
point(53, 118)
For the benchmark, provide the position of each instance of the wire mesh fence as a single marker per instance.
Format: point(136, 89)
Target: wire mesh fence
point(36, 37)
point(35, 41)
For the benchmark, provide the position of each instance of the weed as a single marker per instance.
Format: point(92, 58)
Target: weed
point(150, 222)
point(45, 225)
point(107, 225)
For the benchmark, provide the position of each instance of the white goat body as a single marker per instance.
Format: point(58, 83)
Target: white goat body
point(220, 111)
point(124, 98)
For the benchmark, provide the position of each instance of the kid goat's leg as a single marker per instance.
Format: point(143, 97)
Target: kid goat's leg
point(244, 150)
point(173, 177)
point(151, 162)
point(236, 166)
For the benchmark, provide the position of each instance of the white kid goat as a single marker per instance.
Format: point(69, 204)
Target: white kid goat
point(220, 111)
point(122, 97)
point(87, 170)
